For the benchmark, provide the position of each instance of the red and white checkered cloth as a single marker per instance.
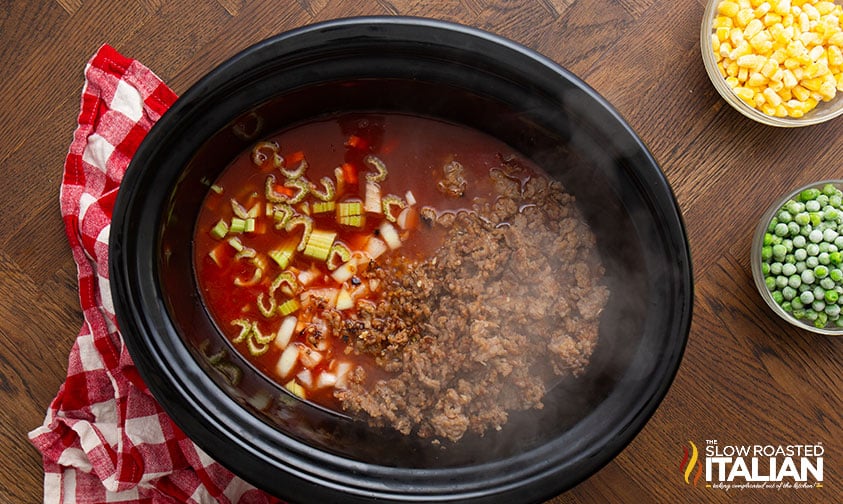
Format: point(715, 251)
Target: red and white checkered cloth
point(105, 438)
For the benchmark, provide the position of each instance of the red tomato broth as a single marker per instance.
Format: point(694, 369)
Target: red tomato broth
point(414, 150)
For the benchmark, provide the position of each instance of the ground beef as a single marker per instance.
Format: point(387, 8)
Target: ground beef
point(508, 302)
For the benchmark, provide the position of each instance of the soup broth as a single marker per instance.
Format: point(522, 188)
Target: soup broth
point(418, 273)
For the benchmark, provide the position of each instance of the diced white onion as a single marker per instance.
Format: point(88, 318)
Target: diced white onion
point(285, 332)
point(390, 235)
point(307, 277)
point(305, 378)
point(410, 197)
point(287, 361)
point(375, 247)
point(344, 300)
point(341, 369)
point(402, 219)
point(345, 271)
point(310, 358)
point(372, 201)
point(326, 379)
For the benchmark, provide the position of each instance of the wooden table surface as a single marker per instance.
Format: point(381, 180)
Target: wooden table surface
point(746, 378)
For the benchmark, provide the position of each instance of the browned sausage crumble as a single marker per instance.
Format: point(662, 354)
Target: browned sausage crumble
point(509, 303)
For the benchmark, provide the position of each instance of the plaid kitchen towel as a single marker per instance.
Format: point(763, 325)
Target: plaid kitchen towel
point(105, 438)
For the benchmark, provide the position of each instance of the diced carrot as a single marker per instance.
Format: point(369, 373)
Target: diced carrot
point(349, 173)
point(356, 142)
point(294, 159)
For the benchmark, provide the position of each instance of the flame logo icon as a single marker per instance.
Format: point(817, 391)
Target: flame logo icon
point(690, 461)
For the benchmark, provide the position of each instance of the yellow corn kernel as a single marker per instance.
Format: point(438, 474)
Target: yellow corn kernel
point(723, 22)
point(768, 109)
point(836, 39)
point(753, 28)
point(788, 79)
point(769, 68)
point(828, 89)
point(756, 79)
point(785, 94)
point(800, 93)
point(779, 55)
point(727, 8)
point(733, 82)
point(732, 69)
point(825, 8)
point(745, 94)
point(761, 9)
point(811, 11)
point(780, 7)
point(812, 84)
point(722, 33)
point(752, 61)
point(781, 111)
point(776, 85)
point(744, 16)
point(771, 18)
point(772, 97)
point(743, 74)
point(758, 100)
point(736, 36)
point(840, 82)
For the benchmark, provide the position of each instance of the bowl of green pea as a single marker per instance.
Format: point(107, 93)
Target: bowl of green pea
point(797, 257)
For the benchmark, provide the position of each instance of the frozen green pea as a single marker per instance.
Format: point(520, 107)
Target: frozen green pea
point(787, 306)
point(812, 262)
point(788, 292)
point(812, 249)
point(818, 306)
point(776, 268)
point(794, 281)
point(822, 199)
point(839, 242)
point(836, 201)
point(832, 248)
point(823, 247)
point(806, 297)
point(766, 252)
point(821, 321)
point(781, 230)
point(796, 303)
point(802, 218)
point(787, 243)
point(810, 315)
point(830, 213)
point(829, 235)
point(827, 283)
point(830, 296)
point(778, 297)
point(824, 258)
point(816, 218)
point(794, 207)
point(800, 254)
point(779, 251)
point(784, 216)
point(805, 230)
point(772, 225)
point(787, 269)
point(812, 206)
point(781, 281)
point(820, 271)
point(835, 257)
point(818, 292)
point(832, 310)
point(836, 274)
point(808, 194)
point(798, 241)
point(800, 267)
point(815, 236)
point(829, 189)
point(807, 277)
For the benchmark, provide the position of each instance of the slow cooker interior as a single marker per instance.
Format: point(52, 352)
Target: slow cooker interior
point(274, 440)
point(564, 147)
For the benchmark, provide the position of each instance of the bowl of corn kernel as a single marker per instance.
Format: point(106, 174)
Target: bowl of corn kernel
point(778, 62)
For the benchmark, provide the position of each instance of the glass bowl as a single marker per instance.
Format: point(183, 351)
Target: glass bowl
point(759, 275)
point(824, 111)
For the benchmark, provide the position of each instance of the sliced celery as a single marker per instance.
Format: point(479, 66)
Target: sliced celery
point(289, 306)
point(219, 230)
point(319, 244)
